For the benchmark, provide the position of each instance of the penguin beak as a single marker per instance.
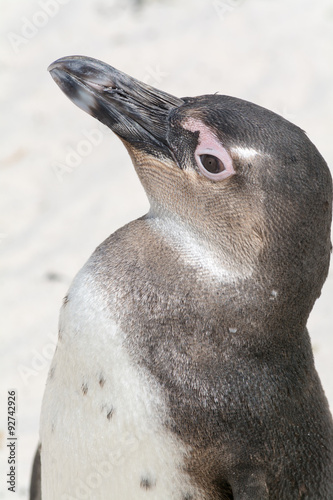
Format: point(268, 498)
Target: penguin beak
point(136, 112)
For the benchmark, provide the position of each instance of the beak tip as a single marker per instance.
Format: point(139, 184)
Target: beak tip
point(133, 110)
point(65, 62)
point(56, 63)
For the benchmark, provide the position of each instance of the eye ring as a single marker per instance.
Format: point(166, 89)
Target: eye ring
point(210, 149)
point(214, 163)
point(211, 163)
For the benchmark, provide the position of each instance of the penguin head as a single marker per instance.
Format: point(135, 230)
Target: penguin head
point(248, 184)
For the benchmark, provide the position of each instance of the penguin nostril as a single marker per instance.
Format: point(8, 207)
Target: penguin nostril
point(212, 164)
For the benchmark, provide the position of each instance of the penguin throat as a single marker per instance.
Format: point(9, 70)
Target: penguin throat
point(196, 252)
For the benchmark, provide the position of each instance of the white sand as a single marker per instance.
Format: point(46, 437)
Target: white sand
point(276, 53)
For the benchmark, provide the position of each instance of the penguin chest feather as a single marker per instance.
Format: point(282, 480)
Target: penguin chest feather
point(107, 438)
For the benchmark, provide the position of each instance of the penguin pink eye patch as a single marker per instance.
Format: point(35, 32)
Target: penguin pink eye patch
point(212, 158)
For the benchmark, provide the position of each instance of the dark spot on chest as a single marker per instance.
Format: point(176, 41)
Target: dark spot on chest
point(109, 411)
point(147, 483)
point(101, 381)
point(84, 389)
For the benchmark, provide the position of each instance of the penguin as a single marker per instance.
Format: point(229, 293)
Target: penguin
point(184, 368)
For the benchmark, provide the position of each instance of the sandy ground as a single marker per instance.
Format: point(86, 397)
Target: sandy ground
point(66, 182)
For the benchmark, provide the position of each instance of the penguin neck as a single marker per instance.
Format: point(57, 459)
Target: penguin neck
point(263, 301)
point(195, 250)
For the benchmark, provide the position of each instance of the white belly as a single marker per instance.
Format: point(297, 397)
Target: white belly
point(102, 423)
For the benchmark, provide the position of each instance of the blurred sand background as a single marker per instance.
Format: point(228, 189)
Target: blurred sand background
point(66, 182)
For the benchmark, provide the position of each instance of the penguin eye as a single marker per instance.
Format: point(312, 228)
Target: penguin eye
point(212, 164)
point(212, 158)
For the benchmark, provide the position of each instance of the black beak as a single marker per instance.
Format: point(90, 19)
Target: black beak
point(136, 112)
